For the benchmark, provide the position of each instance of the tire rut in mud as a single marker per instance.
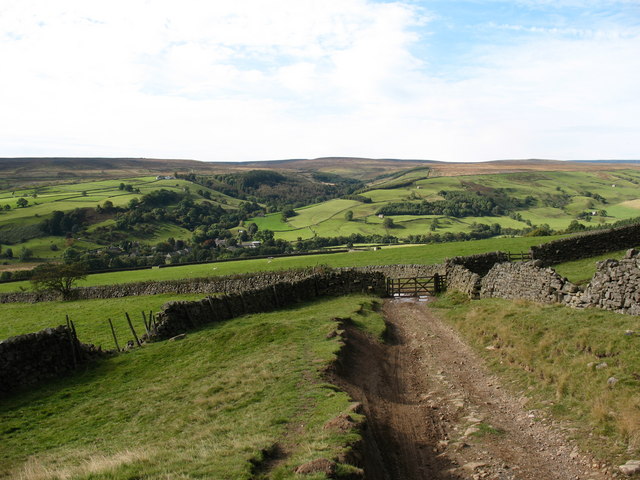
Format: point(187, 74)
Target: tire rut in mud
point(402, 434)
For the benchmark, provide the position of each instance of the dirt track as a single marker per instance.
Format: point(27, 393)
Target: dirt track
point(434, 411)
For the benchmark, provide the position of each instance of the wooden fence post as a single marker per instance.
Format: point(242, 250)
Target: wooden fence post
point(436, 283)
point(147, 326)
point(71, 341)
point(135, 335)
point(113, 331)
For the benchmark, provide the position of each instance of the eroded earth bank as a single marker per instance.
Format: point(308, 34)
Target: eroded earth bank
point(435, 412)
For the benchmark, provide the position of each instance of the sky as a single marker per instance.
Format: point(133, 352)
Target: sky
point(238, 80)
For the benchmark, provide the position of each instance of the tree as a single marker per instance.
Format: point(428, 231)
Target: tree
point(22, 202)
point(348, 216)
point(25, 254)
point(388, 223)
point(252, 228)
point(58, 277)
point(288, 213)
point(70, 255)
point(264, 236)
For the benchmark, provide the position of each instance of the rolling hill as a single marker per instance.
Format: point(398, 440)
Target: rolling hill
point(49, 206)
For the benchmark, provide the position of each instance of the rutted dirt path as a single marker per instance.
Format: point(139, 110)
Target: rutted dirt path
point(435, 412)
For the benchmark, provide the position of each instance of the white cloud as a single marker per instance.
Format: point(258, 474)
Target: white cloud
point(248, 79)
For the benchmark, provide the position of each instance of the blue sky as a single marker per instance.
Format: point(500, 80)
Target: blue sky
point(254, 79)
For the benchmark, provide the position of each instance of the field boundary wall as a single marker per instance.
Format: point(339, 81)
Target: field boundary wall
point(179, 317)
point(588, 244)
point(26, 360)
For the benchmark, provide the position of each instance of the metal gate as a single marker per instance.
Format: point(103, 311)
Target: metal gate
point(416, 286)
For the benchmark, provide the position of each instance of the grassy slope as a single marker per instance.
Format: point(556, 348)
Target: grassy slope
point(200, 408)
point(419, 254)
point(549, 352)
point(327, 219)
point(89, 316)
point(65, 197)
point(69, 196)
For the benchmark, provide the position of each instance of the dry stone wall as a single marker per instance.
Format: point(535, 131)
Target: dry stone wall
point(179, 317)
point(205, 286)
point(403, 271)
point(587, 245)
point(214, 285)
point(527, 280)
point(464, 280)
point(240, 283)
point(480, 263)
point(29, 359)
point(616, 285)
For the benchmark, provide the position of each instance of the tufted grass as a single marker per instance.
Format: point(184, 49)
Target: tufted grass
point(203, 407)
point(550, 353)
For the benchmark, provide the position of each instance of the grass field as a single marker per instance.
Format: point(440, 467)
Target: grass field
point(89, 316)
point(204, 407)
point(550, 352)
point(618, 188)
point(404, 254)
point(69, 196)
point(72, 195)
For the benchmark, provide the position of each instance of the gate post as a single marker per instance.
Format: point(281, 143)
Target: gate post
point(436, 283)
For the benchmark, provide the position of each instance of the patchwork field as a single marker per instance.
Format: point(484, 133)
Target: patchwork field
point(20, 223)
point(603, 197)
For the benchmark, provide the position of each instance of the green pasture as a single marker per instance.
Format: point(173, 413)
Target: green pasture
point(41, 247)
point(21, 224)
point(67, 197)
point(412, 175)
point(400, 254)
point(316, 214)
point(208, 406)
point(553, 217)
point(161, 232)
point(272, 221)
point(327, 219)
point(623, 210)
point(394, 195)
point(89, 316)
